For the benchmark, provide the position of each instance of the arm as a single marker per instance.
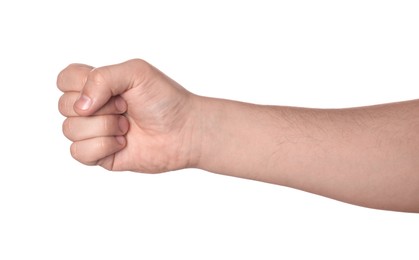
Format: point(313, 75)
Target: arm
point(131, 116)
point(367, 156)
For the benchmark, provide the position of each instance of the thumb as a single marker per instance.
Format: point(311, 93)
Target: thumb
point(104, 82)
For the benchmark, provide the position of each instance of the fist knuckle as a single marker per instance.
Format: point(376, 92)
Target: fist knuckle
point(67, 128)
point(97, 77)
point(74, 151)
point(60, 79)
point(80, 154)
point(62, 105)
point(64, 73)
point(141, 65)
point(141, 69)
point(139, 62)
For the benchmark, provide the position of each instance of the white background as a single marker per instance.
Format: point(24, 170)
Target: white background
point(300, 53)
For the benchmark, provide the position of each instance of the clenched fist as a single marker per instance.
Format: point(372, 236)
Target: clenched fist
point(129, 116)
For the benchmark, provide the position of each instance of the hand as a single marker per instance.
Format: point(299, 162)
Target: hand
point(129, 116)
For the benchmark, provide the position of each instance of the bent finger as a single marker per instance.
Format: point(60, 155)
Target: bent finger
point(91, 151)
point(73, 77)
point(115, 106)
point(82, 128)
point(104, 82)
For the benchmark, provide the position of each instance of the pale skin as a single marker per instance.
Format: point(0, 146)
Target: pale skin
point(132, 117)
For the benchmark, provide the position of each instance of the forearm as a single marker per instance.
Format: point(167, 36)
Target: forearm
point(366, 156)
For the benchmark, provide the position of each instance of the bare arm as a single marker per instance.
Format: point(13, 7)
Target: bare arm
point(367, 156)
point(130, 116)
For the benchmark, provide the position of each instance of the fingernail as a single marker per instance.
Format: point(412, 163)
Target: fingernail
point(84, 102)
point(120, 140)
point(120, 104)
point(123, 124)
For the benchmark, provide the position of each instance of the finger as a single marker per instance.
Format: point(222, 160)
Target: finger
point(116, 105)
point(73, 77)
point(105, 82)
point(90, 151)
point(82, 128)
point(107, 162)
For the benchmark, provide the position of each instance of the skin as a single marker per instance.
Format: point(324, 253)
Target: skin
point(132, 117)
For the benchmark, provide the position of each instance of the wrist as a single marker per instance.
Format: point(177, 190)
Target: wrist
point(193, 141)
point(241, 139)
point(198, 134)
point(206, 117)
point(230, 141)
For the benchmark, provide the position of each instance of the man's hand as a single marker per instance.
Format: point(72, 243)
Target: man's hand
point(128, 116)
